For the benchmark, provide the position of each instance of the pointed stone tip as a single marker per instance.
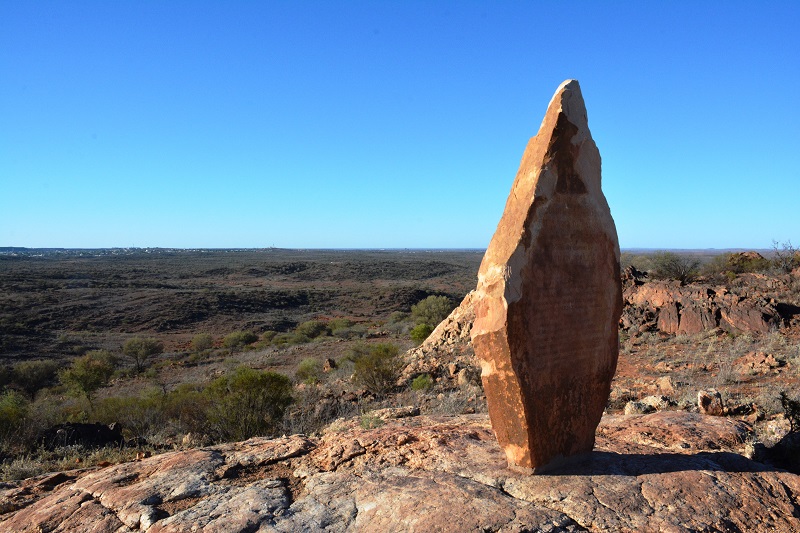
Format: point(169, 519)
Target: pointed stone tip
point(568, 85)
point(568, 99)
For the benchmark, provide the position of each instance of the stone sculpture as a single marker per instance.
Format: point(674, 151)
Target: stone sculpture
point(549, 296)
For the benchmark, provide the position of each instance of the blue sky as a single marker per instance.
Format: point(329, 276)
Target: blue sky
point(388, 124)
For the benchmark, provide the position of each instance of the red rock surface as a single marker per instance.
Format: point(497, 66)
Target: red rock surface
point(548, 299)
point(668, 471)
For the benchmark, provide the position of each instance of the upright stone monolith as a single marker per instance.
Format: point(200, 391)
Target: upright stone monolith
point(549, 296)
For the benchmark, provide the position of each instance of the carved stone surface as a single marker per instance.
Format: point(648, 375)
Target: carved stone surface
point(549, 295)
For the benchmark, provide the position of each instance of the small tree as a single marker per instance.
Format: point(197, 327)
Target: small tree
point(379, 369)
point(785, 257)
point(139, 350)
point(89, 373)
point(669, 265)
point(248, 403)
point(432, 310)
point(32, 376)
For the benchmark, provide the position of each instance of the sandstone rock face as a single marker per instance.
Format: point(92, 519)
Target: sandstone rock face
point(667, 471)
point(548, 299)
point(690, 309)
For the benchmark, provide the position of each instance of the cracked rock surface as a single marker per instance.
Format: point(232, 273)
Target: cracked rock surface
point(667, 471)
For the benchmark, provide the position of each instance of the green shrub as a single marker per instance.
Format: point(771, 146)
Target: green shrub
point(432, 310)
point(239, 339)
point(422, 382)
point(88, 373)
point(13, 412)
point(139, 350)
point(312, 329)
point(309, 371)
point(420, 332)
point(268, 335)
point(370, 421)
point(247, 403)
point(186, 407)
point(338, 323)
point(669, 265)
point(33, 376)
point(139, 416)
point(379, 369)
point(397, 317)
point(202, 342)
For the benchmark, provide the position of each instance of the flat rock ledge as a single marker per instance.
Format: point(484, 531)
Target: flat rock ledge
point(668, 471)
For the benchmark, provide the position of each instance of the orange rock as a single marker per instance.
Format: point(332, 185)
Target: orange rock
point(549, 295)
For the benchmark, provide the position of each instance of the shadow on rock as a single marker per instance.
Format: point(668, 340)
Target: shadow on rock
point(599, 463)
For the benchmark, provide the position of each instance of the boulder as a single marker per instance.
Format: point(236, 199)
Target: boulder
point(548, 299)
point(709, 402)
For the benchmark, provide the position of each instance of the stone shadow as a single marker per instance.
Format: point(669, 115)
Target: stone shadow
point(602, 463)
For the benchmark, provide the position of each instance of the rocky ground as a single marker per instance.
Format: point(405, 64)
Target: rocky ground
point(668, 471)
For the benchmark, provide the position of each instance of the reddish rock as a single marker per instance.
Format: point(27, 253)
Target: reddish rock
point(667, 471)
point(696, 319)
point(548, 299)
point(709, 402)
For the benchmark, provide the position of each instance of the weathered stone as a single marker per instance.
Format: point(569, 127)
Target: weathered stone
point(548, 299)
point(709, 402)
point(328, 365)
point(666, 471)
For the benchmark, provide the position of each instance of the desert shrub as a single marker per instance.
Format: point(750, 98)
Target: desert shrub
point(785, 257)
point(731, 264)
point(33, 376)
point(202, 342)
point(88, 373)
point(432, 310)
point(139, 350)
point(139, 416)
point(422, 382)
point(639, 262)
point(298, 338)
point(669, 265)
point(398, 316)
point(186, 408)
point(338, 323)
point(312, 329)
point(268, 335)
point(370, 421)
point(791, 410)
point(378, 369)
point(247, 403)
point(420, 332)
point(239, 339)
point(309, 371)
point(13, 412)
point(282, 339)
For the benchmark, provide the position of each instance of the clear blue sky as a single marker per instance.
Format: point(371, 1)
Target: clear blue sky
point(388, 124)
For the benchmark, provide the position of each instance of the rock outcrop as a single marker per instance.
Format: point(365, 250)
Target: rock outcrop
point(548, 299)
point(679, 309)
point(447, 352)
point(667, 471)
